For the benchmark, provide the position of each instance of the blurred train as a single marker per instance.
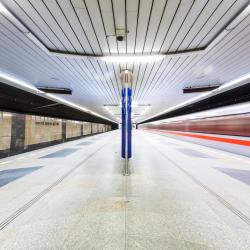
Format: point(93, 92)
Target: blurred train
point(226, 128)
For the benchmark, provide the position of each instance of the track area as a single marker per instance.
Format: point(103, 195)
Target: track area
point(179, 196)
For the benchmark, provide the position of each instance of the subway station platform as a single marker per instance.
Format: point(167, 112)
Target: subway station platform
point(179, 195)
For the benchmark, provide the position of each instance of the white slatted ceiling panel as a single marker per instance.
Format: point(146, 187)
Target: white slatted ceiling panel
point(88, 26)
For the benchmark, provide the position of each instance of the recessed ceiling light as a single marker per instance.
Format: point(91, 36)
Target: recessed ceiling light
point(133, 58)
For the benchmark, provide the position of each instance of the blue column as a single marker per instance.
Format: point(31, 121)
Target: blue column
point(129, 125)
point(126, 111)
point(123, 123)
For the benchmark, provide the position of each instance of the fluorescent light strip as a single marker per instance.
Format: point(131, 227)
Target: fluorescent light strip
point(232, 109)
point(239, 18)
point(234, 82)
point(14, 20)
point(10, 79)
point(16, 82)
point(237, 81)
point(63, 101)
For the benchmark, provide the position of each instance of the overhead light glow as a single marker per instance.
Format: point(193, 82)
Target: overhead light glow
point(26, 86)
point(3, 9)
point(18, 82)
point(67, 102)
point(239, 18)
point(234, 82)
point(132, 58)
point(13, 18)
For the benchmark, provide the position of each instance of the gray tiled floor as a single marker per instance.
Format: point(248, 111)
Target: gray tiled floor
point(157, 207)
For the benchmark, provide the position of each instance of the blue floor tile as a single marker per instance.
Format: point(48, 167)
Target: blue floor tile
point(241, 175)
point(61, 153)
point(10, 175)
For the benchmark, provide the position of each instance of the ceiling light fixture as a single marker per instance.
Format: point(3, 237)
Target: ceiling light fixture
point(132, 58)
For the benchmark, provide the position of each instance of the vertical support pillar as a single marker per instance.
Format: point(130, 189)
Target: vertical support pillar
point(17, 133)
point(81, 129)
point(64, 137)
point(126, 78)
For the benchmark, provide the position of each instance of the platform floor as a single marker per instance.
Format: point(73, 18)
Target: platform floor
point(73, 196)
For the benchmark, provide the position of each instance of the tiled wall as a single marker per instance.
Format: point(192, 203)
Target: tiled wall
point(40, 129)
point(20, 133)
point(86, 127)
point(5, 130)
point(73, 129)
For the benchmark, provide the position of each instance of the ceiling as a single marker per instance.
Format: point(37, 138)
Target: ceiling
point(154, 26)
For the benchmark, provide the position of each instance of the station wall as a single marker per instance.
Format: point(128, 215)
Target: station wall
point(21, 133)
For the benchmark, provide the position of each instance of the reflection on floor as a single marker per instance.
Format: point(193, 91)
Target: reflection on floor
point(179, 196)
